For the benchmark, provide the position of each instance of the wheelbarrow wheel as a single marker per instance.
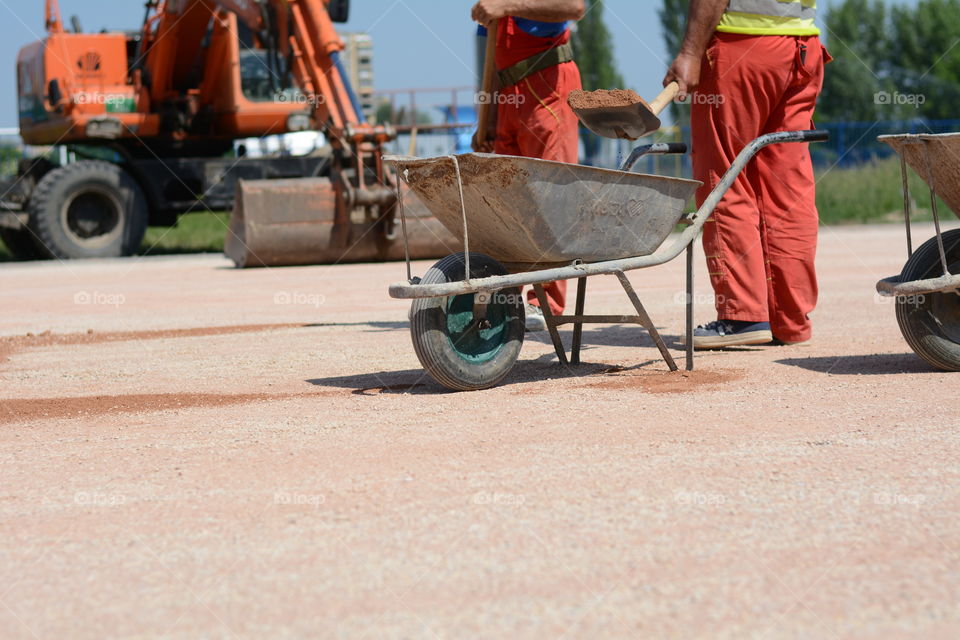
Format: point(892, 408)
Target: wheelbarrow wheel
point(930, 322)
point(460, 351)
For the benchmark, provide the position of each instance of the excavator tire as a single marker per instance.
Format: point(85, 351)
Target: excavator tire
point(88, 209)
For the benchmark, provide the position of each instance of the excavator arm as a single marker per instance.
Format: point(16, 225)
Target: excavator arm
point(170, 101)
point(303, 33)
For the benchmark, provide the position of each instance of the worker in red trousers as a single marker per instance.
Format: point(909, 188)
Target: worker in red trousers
point(754, 67)
point(536, 72)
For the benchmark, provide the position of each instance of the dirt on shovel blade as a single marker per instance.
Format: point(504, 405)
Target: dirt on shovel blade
point(604, 99)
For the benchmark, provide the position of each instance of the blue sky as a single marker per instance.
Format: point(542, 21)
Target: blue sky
point(417, 43)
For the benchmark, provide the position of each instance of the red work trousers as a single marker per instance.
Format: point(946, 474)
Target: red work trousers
point(762, 239)
point(535, 121)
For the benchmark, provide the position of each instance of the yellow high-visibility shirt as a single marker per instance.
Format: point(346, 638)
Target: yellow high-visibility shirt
point(770, 18)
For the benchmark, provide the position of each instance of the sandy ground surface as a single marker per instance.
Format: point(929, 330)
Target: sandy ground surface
point(197, 451)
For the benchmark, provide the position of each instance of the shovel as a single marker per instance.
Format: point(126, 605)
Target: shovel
point(629, 121)
point(489, 71)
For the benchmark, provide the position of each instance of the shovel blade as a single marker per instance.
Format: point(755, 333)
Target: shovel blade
point(627, 122)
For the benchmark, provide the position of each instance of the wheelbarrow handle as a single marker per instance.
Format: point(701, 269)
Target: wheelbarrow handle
point(811, 135)
point(818, 135)
point(657, 148)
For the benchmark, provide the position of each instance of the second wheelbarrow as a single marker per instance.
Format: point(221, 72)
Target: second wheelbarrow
point(524, 221)
point(927, 290)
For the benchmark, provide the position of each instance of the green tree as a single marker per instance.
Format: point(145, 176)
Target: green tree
point(591, 46)
point(673, 20)
point(385, 114)
point(856, 82)
point(925, 58)
point(891, 61)
point(591, 43)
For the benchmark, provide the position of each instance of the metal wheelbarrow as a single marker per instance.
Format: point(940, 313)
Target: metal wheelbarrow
point(927, 291)
point(524, 221)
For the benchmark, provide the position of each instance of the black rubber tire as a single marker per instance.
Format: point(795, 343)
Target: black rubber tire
point(21, 244)
point(930, 323)
point(97, 195)
point(431, 329)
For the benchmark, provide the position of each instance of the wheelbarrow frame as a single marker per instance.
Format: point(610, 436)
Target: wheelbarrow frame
point(894, 286)
point(580, 271)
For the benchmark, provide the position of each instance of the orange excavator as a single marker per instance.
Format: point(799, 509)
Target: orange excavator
point(151, 117)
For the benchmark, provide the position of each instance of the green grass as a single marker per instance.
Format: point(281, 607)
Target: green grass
point(872, 193)
point(194, 233)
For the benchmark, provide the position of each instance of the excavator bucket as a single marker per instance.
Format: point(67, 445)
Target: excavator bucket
point(291, 222)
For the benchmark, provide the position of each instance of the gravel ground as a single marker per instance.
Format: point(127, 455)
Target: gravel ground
point(198, 451)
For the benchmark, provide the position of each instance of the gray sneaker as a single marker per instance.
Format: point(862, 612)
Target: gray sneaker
point(731, 333)
point(535, 319)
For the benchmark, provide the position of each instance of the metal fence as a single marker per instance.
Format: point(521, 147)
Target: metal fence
point(855, 143)
point(851, 144)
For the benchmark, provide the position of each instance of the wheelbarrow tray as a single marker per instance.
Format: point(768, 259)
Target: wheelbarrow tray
point(944, 161)
point(525, 211)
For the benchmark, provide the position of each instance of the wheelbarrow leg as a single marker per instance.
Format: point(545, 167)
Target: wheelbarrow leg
point(645, 320)
point(551, 322)
point(578, 326)
point(689, 342)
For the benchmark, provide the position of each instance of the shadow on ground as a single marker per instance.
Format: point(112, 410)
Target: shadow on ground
point(871, 364)
point(545, 367)
point(374, 326)
point(614, 335)
point(419, 382)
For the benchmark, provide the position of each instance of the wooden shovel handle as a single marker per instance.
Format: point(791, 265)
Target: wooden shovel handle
point(489, 69)
point(666, 97)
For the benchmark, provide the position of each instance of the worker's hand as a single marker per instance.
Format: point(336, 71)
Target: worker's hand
point(486, 12)
point(487, 146)
point(685, 70)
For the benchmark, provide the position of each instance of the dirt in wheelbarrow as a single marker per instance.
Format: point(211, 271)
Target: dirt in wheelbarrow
point(646, 381)
point(435, 181)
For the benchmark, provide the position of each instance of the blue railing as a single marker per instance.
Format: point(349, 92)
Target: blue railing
point(855, 143)
point(851, 143)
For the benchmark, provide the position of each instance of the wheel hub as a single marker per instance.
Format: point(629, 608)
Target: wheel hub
point(93, 217)
point(476, 340)
point(945, 309)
